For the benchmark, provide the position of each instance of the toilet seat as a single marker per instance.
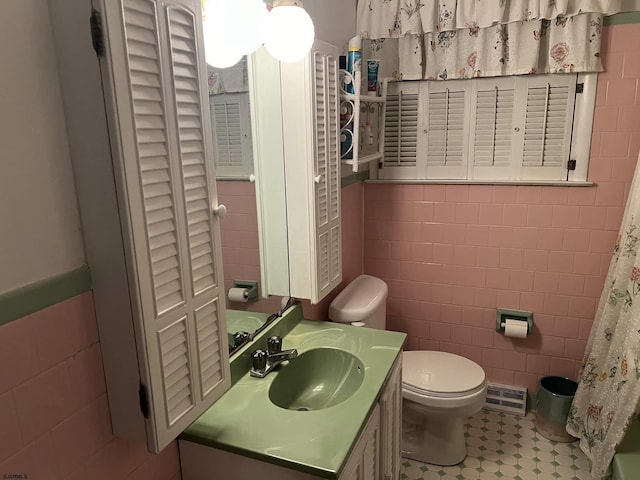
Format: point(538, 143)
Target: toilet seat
point(430, 377)
point(420, 391)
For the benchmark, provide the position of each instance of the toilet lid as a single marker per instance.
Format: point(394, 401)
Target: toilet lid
point(441, 374)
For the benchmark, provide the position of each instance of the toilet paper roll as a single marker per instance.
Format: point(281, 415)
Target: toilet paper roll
point(239, 295)
point(515, 328)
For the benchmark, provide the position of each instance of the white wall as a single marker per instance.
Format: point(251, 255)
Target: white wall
point(334, 20)
point(40, 234)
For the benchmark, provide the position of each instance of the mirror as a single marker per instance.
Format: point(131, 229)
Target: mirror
point(233, 138)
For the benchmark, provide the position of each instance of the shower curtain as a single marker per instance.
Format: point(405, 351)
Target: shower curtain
point(608, 398)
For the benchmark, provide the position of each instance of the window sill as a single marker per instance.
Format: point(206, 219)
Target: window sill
point(487, 182)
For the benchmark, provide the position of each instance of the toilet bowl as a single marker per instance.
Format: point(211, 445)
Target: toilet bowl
point(439, 390)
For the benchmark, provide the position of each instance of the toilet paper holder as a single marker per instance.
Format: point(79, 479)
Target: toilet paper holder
point(251, 287)
point(503, 314)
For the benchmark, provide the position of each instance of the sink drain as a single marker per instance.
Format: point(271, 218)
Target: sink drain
point(303, 409)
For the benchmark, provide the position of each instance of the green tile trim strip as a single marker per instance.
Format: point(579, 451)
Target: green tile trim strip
point(31, 298)
point(355, 178)
point(622, 19)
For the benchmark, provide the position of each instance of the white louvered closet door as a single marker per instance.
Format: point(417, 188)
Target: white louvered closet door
point(446, 120)
point(327, 171)
point(161, 136)
point(494, 140)
point(401, 114)
point(548, 120)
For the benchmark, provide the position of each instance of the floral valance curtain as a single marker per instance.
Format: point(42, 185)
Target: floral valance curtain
point(450, 39)
point(233, 79)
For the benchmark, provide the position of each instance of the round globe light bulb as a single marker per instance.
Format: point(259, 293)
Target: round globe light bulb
point(219, 48)
point(289, 33)
point(250, 17)
point(233, 28)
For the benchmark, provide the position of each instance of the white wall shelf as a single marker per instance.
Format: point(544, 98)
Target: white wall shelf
point(354, 108)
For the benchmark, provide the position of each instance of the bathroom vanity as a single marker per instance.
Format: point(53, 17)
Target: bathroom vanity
point(333, 412)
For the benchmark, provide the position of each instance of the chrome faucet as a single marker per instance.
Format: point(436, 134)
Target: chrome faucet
point(263, 362)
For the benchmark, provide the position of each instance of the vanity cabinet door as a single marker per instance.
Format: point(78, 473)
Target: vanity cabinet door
point(391, 424)
point(364, 462)
point(154, 78)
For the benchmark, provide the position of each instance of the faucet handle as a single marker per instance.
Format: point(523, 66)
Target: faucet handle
point(274, 345)
point(259, 360)
point(239, 338)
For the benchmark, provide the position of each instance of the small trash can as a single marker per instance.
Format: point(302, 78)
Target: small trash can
point(553, 401)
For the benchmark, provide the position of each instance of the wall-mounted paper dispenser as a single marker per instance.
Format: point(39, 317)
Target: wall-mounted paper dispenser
point(243, 291)
point(514, 323)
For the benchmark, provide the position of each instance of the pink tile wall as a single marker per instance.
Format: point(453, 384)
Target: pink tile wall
point(54, 415)
point(452, 254)
point(240, 250)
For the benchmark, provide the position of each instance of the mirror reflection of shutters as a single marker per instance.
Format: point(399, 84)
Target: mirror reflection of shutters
point(548, 121)
point(321, 160)
point(401, 131)
point(322, 199)
point(334, 181)
point(227, 130)
point(232, 134)
point(327, 182)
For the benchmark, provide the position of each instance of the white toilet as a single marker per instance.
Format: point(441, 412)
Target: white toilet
point(439, 390)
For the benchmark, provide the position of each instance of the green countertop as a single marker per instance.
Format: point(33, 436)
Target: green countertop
point(239, 321)
point(244, 420)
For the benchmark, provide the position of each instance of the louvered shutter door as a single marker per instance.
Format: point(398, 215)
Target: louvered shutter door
point(364, 460)
point(401, 118)
point(327, 172)
point(163, 140)
point(447, 134)
point(391, 424)
point(548, 120)
point(335, 180)
point(232, 134)
point(493, 143)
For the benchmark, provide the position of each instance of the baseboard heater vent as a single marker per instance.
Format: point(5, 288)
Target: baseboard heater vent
point(505, 398)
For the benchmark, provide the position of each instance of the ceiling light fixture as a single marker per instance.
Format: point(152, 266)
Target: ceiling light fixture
point(232, 29)
point(289, 32)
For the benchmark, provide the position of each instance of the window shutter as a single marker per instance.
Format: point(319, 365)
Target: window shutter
point(231, 120)
point(493, 143)
point(327, 172)
point(447, 129)
point(401, 118)
point(548, 123)
point(163, 141)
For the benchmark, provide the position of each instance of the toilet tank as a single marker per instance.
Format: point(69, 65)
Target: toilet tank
point(363, 300)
